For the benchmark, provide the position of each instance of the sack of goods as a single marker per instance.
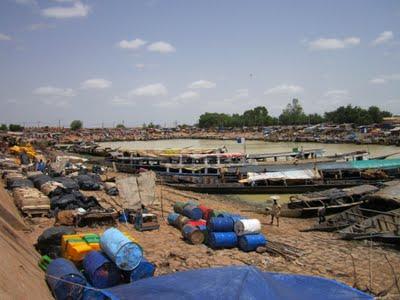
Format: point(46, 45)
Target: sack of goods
point(31, 201)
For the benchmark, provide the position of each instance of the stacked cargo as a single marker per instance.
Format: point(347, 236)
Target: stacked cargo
point(218, 229)
point(108, 260)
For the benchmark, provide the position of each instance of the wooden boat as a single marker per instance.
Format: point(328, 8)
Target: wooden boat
point(238, 188)
point(181, 163)
point(374, 204)
point(384, 227)
point(349, 217)
point(337, 200)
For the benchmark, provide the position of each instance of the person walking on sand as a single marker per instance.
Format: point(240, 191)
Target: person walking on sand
point(275, 210)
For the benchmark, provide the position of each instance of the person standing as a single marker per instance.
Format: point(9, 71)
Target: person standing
point(322, 213)
point(275, 210)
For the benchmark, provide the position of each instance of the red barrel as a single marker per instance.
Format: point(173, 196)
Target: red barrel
point(197, 223)
point(206, 212)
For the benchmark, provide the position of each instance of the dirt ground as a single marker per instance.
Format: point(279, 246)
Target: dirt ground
point(360, 264)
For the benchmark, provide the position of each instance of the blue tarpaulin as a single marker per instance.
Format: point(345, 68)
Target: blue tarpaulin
point(234, 283)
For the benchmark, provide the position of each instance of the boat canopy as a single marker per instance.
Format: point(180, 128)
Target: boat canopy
point(376, 164)
point(284, 175)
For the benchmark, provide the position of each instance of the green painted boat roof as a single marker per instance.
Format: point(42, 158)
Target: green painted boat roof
point(376, 164)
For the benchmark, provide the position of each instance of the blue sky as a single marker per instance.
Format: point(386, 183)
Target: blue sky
point(167, 60)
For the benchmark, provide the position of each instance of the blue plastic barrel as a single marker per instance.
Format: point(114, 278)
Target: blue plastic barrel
point(222, 239)
point(172, 217)
point(100, 270)
point(250, 242)
point(220, 224)
point(192, 212)
point(144, 270)
point(122, 251)
point(64, 279)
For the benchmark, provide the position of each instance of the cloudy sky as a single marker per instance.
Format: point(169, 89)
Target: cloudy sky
point(105, 61)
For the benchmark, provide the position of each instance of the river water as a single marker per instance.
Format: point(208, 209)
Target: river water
point(251, 147)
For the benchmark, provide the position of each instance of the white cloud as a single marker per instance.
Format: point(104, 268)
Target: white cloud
point(121, 101)
point(202, 84)
point(383, 38)
point(385, 78)
point(333, 44)
point(151, 90)
point(4, 37)
point(26, 2)
point(377, 80)
point(337, 94)
point(242, 93)
point(54, 92)
point(285, 89)
point(39, 26)
point(161, 47)
point(61, 12)
point(140, 66)
point(188, 95)
point(96, 83)
point(131, 45)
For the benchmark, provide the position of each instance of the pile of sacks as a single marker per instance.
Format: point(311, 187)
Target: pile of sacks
point(118, 260)
point(28, 199)
point(63, 192)
point(200, 224)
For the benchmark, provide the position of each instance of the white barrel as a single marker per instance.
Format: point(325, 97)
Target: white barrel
point(247, 226)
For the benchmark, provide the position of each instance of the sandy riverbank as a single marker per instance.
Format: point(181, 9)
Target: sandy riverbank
point(323, 254)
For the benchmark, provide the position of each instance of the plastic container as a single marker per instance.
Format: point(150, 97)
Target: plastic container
point(144, 270)
point(192, 212)
point(250, 242)
point(64, 279)
point(100, 270)
point(172, 218)
point(219, 240)
point(193, 234)
point(249, 226)
point(220, 224)
point(120, 249)
point(207, 212)
point(181, 221)
point(204, 230)
point(178, 207)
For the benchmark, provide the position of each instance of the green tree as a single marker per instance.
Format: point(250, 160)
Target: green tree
point(76, 125)
point(15, 127)
point(120, 126)
point(3, 127)
point(293, 114)
point(356, 115)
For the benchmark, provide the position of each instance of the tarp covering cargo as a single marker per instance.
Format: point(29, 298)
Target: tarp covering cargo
point(234, 283)
point(137, 190)
point(31, 200)
point(284, 175)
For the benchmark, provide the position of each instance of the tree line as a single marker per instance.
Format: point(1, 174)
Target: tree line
point(293, 114)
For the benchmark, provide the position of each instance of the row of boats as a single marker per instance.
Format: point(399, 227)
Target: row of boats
point(364, 212)
point(297, 171)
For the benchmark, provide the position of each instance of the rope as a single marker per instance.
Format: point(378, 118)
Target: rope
point(73, 283)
